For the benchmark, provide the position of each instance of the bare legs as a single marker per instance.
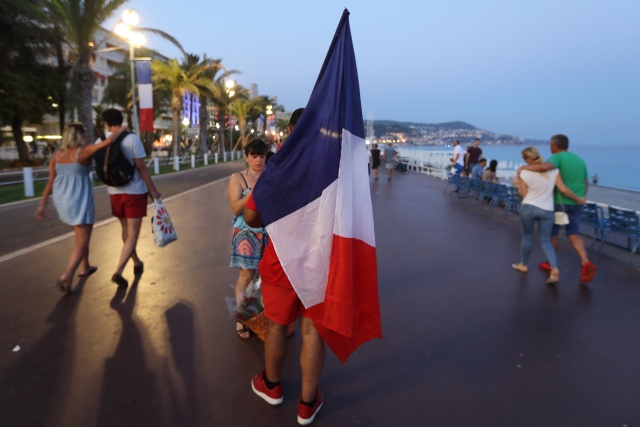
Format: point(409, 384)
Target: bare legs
point(80, 253)
point(311, 359)
point(130, 233)
point(311, 355)
point(578, 245)
point(244, 278)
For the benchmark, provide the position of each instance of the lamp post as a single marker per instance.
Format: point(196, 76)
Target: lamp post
point(125, 30)
point(229, 84)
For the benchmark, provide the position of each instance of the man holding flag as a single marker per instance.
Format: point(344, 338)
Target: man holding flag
point(320, 262)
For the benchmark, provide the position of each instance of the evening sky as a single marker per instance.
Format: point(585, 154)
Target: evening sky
point(525, 68)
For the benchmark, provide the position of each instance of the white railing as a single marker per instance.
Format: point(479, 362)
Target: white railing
point(438, 163)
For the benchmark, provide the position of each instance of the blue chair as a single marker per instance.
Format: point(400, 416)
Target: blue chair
point(624, 223)
point(515, 200)
point(454, 179)
point(488, 190)
point(465, 186)
point(500, 196)
point(593, 216)
point(475, 189)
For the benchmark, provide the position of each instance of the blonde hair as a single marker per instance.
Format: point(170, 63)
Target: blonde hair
point(75, 135)
point(532, 153)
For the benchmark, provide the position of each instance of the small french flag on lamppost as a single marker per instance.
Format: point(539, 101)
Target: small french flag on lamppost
point(145, 95)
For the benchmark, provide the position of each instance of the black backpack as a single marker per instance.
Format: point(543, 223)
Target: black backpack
point(112, 166)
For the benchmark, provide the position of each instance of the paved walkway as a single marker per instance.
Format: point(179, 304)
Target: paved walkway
point(467, 341)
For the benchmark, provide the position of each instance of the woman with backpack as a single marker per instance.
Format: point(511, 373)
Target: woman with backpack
point(72, 188)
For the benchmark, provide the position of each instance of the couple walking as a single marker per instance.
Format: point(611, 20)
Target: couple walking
point(559, 185)
point(71, 185)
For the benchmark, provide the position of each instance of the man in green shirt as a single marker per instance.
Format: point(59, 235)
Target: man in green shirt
point(573, 171)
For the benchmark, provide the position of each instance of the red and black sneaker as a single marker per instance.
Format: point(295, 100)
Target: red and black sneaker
point(306, 413)
point(587, 272)
point(545, 266)
point(271, 396)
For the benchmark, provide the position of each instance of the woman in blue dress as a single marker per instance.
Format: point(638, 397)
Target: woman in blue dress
point(248, 243)
point(72, 188)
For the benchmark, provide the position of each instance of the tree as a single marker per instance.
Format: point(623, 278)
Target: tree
point(205, 96)
point(78, 21)
point(224, 100)
point(27, 85)
point(242, 108)
point(190, 76)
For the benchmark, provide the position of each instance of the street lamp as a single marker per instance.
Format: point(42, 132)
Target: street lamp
point(229, 84)
point(125, 30)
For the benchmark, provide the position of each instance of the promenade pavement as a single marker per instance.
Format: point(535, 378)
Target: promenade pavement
point(467, 341)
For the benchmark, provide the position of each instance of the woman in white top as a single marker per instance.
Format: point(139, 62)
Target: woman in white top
point(537, 207)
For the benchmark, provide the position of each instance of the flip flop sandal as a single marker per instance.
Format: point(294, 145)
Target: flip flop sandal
point(520, 268)
point(138, 269)
point(63, 286)
point(92, 270)
point(241, 332)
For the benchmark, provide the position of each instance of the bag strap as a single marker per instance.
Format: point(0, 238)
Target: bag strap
point(245, 181)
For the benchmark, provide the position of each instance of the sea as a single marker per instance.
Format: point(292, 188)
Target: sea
point(616, 166)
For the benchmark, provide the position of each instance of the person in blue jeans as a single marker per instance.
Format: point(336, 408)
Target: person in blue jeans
point(537, 208)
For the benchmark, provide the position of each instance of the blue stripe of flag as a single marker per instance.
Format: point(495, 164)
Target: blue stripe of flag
point(309, 160)
point(143, 72)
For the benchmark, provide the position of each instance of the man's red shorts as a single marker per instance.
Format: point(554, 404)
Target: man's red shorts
point(281, 302)
point(128, 205)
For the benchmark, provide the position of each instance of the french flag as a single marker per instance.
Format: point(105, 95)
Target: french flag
point(315, 201)
point(145, 95)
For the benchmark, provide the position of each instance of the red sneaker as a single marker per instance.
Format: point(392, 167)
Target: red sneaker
point(587, 273)
point(271, 396)
point(306, 414)
point(545, 266)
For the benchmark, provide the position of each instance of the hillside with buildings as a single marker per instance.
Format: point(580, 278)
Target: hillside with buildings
point(439, 134)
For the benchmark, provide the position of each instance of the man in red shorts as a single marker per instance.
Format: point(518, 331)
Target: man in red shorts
point(282, 307)
point(129, 202)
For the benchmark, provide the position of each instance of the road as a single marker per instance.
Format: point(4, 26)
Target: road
point(22, 230)
point(467, 341)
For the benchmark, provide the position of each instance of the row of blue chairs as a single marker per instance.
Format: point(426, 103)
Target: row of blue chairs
point(617, 221)
point(493, 194)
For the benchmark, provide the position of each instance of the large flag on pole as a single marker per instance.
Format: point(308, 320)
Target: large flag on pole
point(315, 201)
point(145, 95)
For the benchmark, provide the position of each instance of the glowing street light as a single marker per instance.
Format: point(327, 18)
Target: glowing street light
point(125, 30)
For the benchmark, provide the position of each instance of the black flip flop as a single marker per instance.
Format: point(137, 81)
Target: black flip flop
point(92, 270)
point(243, 331)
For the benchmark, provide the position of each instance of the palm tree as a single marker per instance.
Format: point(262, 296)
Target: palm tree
point(206, 95)
point(242, 109)
point(28, 87)
point(190, 76)
point(224, 99)
point(261, 108)
point(78, 21)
